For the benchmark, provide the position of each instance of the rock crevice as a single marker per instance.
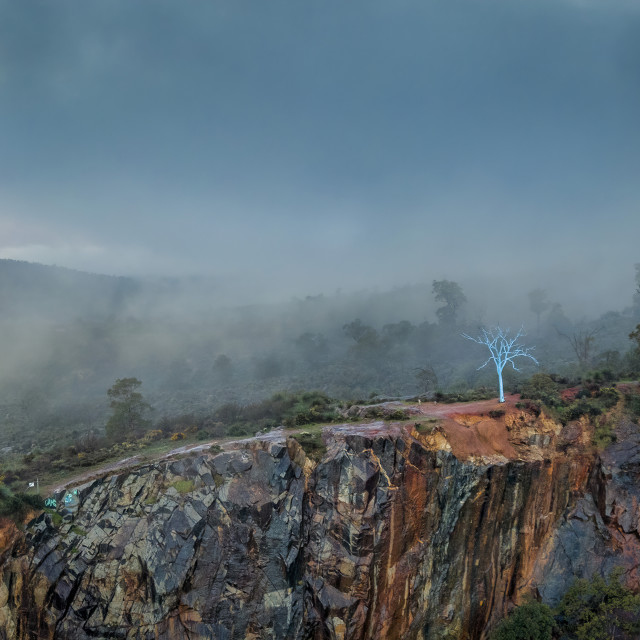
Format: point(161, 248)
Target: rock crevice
point(390, 536)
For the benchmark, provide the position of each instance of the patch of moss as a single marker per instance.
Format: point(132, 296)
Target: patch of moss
point(78, 531)
point(603, 433)
point(56, 518)
point(183, 486)
point(218, 479)
point(426, 427)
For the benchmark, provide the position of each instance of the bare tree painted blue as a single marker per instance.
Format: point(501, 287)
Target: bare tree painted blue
point(503, 349)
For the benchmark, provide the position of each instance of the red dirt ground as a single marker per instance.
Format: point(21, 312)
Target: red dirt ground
point(440, 410)
point(471, 431)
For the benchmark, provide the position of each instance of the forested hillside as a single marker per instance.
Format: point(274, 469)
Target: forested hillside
point(67, 336)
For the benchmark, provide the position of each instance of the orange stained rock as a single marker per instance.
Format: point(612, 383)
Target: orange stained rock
point(8, 533)
point(486, 437)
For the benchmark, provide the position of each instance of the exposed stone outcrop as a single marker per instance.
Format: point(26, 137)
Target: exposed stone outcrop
point(196, 548)
point(394, 534)
point(602, 530)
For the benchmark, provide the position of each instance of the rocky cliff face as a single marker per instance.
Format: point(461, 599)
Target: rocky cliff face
point(394, 534)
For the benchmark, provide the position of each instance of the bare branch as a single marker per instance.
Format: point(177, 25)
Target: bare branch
point(503, 349)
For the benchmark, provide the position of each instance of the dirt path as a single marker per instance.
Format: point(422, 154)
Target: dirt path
point(429, 409)
point(441, 410)
point(276, 435)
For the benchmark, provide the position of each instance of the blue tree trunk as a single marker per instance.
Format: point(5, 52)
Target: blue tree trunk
point(500, 385)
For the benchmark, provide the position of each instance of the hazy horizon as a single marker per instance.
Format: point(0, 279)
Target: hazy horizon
point(292, 150)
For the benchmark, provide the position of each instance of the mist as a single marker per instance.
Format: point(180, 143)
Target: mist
point(249, 181)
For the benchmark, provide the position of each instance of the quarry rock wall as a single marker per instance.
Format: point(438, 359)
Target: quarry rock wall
point(392, 535)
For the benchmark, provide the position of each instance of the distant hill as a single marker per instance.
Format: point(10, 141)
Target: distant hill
point(58, 293)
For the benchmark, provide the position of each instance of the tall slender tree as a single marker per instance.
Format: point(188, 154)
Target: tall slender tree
point(538, 304)
point(129, 409)
point(453, 297)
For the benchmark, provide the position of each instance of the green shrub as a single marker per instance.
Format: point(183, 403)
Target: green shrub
point(595, 609)
point(472, 395)
point(240, 429)
point(599, 609)
point(312, 444)
point(17, 505)
point(578, 408)
point(290, 409)
point(602, 376)
point(398, 414)
point(530, 621)
point(426, 427)
point(542, 387)
point(603, 433)
point(608, 397)
point(374, 412)
point(632, 404)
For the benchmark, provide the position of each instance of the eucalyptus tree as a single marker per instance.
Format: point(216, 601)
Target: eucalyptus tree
point(583, 343)
point(538, 304)
point(503, 349)
point(453, 297)
point(129, 409)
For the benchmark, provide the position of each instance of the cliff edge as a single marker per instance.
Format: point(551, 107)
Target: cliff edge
point(402, 531)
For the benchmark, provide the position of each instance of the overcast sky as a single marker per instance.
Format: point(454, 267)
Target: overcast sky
point(312, 145)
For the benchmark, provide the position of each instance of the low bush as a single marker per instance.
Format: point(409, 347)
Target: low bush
point(312, 444)
point(530, 621)
point(608, 397)
point(603, 433)
point(589, 403)
point(17, 505)
point(600, 609)
point(289, 409)
point(632, 405)
point(426, 427)
point(240, 430)
point(595, 609)
point(542, 387)
point(398, 414)
point(472, 395)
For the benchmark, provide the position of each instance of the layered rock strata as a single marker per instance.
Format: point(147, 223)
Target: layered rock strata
point(394, 534)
